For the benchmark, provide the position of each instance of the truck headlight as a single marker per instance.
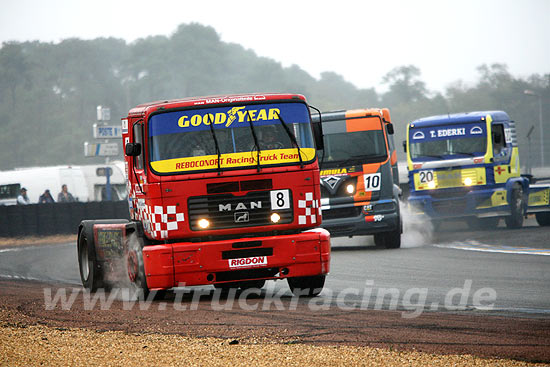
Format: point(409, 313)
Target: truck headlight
point(350, 189)
point(275, 218)
point(204, 223)
point(468, 181)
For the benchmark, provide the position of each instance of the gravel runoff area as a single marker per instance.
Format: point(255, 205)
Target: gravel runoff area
point(32, 345)
point(6, 242)
point(30, 337)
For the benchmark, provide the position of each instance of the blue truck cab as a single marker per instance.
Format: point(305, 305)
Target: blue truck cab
point(466, 165)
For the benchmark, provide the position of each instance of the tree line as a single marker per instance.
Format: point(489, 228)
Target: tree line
point(49, 92)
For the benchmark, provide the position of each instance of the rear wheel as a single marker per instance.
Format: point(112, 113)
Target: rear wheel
point(515, 220)
point(90, 271)
point(307, 286)
point(543, 219)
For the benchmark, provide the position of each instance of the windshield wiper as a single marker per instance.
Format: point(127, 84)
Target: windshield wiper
point(359, 159)
point(215, 143)
point(431, 156)
point(292, 138)
point(256, 143)
point(465, 153)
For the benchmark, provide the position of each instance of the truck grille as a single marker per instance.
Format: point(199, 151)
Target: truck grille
point(230, 211)
point(349, 212)
point(458, 193)
point(341, 193)
point(448, 207)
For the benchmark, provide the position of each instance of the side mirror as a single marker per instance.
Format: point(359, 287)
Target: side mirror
point(386, 115)
point(318, 135)
point(389, 127)
point(405, 146)
point(132, 149)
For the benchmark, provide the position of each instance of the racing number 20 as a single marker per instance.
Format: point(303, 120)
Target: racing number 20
point(426, 176)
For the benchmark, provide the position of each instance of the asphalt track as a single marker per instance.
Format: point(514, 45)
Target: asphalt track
point(452, 290)
point(506, 271)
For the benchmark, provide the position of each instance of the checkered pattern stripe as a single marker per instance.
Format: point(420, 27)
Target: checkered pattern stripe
point(308, 210)
point(156, 220)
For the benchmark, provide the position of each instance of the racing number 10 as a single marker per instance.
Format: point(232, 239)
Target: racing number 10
point(372, 181)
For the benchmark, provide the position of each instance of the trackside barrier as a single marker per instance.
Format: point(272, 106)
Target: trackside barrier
point(56, 218)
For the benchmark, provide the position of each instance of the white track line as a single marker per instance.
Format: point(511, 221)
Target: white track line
point(473, 246)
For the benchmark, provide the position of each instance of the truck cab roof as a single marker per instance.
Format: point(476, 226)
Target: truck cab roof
point(343, 114)
point(458, 118)
point(211, 100)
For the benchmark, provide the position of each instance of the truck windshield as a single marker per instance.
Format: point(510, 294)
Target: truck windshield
point(364, 143)
point(444, 142)
point(183, 141)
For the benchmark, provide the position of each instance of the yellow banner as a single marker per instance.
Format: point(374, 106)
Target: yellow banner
point(232, 160)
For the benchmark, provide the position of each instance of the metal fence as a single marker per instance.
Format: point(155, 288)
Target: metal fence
point(56, 218)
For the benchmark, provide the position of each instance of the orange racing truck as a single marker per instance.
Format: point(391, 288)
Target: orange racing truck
point(222, 190)
point(359, 176)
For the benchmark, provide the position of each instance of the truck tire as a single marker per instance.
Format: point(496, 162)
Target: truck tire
point(90, 271)
point(136, 274)
point(307, 286)
point(388, 239)
point(515, 220)
point(543, 219)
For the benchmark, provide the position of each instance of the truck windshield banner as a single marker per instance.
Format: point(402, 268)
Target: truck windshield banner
point(230, 137)
point(458, 131)
point(227, 117)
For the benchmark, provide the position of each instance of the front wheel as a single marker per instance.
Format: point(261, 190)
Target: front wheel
point(136, 273)
point(310, 286)
point(388, 239)
point(543, 219)
point(515, 220)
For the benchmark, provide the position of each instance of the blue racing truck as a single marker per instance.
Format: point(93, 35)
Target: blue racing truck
point(466, 166)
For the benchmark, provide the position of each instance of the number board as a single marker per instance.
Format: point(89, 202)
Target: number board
point(372, 181)
point(280, 199)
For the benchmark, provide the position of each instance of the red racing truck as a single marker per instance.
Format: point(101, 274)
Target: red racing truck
point(222, 191)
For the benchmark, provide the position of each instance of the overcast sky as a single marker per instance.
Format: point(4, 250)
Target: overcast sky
point(360, 40)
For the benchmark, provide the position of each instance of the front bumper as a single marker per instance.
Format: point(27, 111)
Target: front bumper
point(458, 203)
point(273, 257)
point(350, 220)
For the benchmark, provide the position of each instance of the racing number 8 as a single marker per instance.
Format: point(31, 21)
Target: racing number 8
point(280, 199)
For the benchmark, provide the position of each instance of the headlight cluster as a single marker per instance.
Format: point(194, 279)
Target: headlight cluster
point(275, 218)
point(204, 223)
